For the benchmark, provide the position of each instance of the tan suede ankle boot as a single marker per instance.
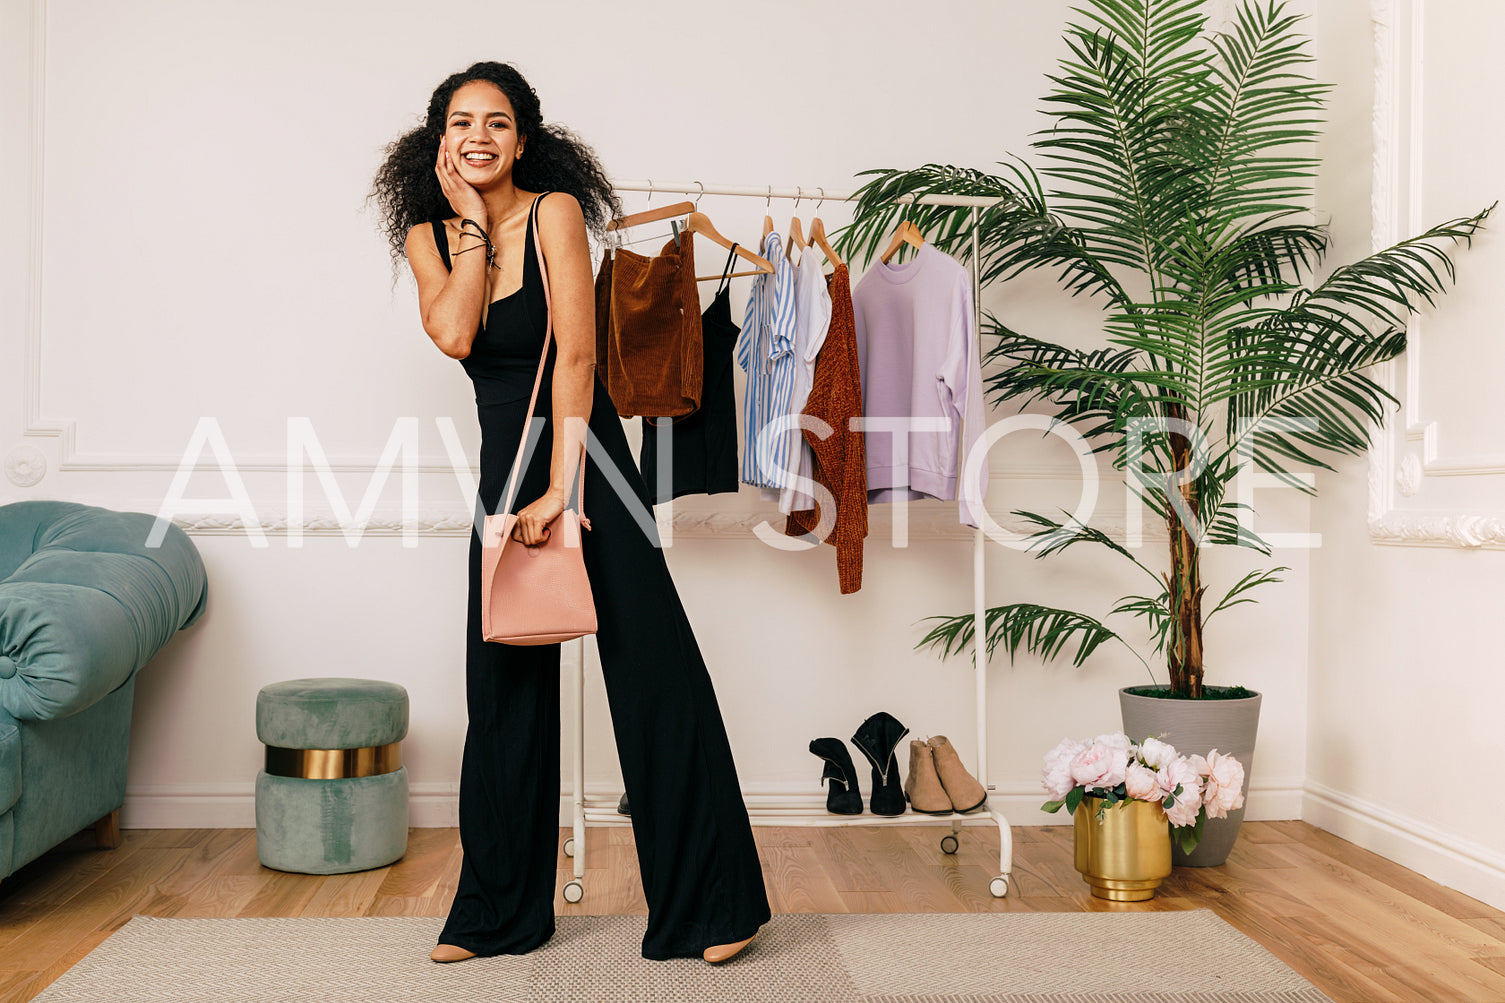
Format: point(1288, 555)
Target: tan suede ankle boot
point(962, 788)
point(923, 786)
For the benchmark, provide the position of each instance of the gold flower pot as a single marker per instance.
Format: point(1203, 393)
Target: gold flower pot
point(1126, 855)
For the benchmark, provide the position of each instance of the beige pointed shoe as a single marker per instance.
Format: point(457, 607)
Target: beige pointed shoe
point(449, 952)
point(962, 788)
point(721, 952)
point(923, 785)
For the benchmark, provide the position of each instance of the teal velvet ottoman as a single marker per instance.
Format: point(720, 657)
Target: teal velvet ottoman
point(333, 796)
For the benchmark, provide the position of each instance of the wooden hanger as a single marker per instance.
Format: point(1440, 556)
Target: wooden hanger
point(907, 233)
point(651, 215)
point(796, 238)
point(818, 238)
point(699, 222)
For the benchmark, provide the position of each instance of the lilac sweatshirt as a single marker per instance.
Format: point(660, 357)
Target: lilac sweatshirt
point(917, 352)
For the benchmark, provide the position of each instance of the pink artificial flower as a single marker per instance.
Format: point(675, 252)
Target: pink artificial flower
point(1056, 776)
point(1156, 753)
point(1141, 783)
point(1114, 740)
point(1100, 766)
point(1180, 772)
point(1223, 783)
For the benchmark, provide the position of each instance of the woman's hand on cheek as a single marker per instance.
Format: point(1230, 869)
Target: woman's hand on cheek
point(533, 521)
point(462, 196)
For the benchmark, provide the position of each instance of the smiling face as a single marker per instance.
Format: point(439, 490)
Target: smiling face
point(481, 133)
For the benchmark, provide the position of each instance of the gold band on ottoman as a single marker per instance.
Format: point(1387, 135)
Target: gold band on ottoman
point(333, 764)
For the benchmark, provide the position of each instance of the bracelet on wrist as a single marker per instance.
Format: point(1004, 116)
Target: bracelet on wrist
point(480, 231)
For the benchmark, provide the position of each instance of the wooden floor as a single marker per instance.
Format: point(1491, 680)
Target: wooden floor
point(1359, 927)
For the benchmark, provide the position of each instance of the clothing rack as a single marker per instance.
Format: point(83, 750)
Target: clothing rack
point(604, 809)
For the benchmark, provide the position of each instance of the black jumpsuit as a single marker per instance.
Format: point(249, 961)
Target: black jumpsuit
point(700, 870)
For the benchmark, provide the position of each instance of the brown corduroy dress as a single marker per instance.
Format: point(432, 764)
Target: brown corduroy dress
point(840, 458)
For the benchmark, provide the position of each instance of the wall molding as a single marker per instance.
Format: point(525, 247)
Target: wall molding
point(930, 520)
point(1405, 452)
point(1401, 528)
point(37, 139)
point(1469, 867)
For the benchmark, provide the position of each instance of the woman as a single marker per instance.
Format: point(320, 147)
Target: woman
point(484, 164)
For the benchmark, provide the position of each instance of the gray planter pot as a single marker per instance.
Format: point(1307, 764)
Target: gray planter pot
point(1199, 726)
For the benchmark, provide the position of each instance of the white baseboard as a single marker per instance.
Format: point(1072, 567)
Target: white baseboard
point(189, 806)
point(1273, 800)
point(436, 805)
point(1461, 864)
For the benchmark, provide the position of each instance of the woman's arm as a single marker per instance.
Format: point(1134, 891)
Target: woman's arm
point(450, 300)
point(566, 250)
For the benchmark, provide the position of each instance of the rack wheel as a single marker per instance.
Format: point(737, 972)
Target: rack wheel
point(569, 847)
point(948, 844)
point(574, 891)
point(999, 886)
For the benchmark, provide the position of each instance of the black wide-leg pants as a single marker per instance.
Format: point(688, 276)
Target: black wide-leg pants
point(700, 870)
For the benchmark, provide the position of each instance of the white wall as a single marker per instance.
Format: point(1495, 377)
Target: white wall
point(1405, 682)
point(188, 239)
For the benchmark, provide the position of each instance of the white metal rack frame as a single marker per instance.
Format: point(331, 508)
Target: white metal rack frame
point(773, 812)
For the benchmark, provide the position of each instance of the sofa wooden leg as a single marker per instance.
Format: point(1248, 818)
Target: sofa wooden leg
point(107, 831)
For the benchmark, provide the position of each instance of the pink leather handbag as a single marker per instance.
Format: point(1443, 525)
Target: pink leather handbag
point(541, 594)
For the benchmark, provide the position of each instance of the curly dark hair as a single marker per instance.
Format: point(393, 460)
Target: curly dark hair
point(408, 192)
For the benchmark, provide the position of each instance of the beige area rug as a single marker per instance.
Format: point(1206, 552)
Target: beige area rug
point(1150, 957)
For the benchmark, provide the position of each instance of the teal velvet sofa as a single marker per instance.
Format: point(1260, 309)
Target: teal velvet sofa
point(84, 604)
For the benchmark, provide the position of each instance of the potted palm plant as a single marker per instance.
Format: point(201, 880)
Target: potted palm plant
point(1174, 188)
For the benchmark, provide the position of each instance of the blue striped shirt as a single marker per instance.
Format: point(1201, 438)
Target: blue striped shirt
point(765, 351)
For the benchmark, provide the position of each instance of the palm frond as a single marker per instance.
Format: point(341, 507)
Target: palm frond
point(1228, 528)
point(1094, 399)
point(1036, 237)
point(1239, 593)
point(878, 208)
point(1263, 103)
point(1296, 384)
point(1052, 537)
point(1245, 262)
point(1389, 284)
point(1154, 610)
point(1040, 630)
point(1120, 99)
point(1018, 234)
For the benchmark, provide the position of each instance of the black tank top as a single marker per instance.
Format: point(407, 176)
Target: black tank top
point(503, 359)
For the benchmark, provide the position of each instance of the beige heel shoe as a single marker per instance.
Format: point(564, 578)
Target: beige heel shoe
point(449, 952)
point(719, 953)
point(923, 785)
point(962, 788)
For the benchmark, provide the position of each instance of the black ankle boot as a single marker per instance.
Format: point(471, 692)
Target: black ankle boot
point(876, 738)
point(842, 795)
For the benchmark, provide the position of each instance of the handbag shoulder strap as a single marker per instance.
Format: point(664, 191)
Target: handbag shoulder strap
point(548, 331)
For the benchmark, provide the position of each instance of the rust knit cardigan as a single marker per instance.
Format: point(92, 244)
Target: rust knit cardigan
point(840, 458)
